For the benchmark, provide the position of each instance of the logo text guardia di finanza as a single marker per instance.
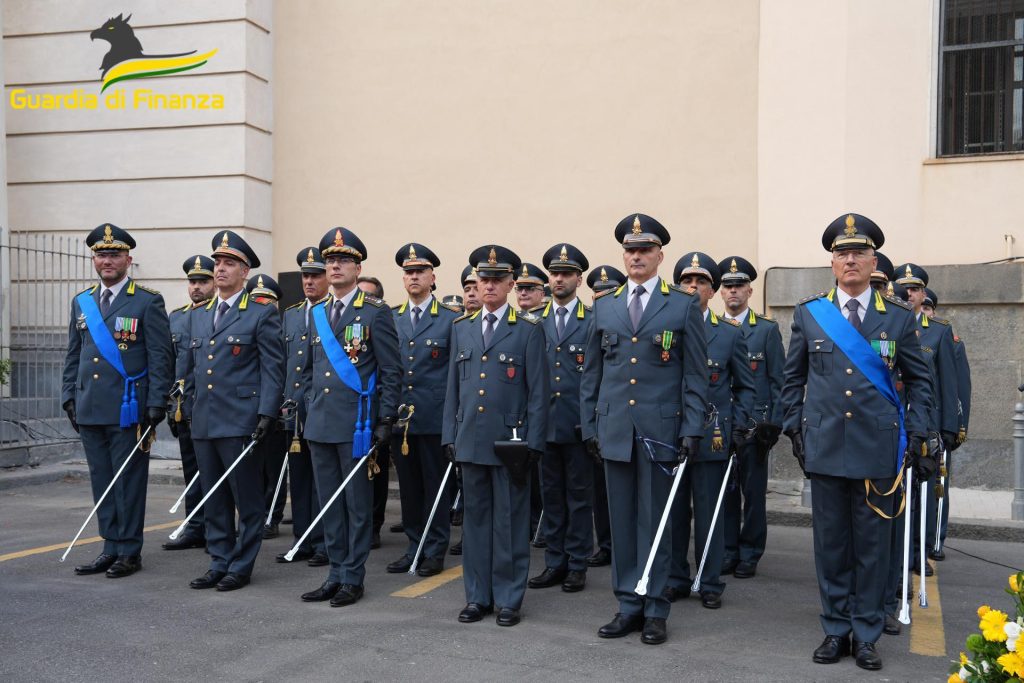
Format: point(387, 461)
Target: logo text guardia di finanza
point(126, 61)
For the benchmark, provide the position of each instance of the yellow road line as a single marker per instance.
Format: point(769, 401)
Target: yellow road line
point(927, 635)
point(430, 583)
point(81, 541)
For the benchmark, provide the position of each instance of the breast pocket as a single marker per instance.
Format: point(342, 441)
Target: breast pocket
point(714, 370)
point(665, 342)
point(756, 361)
point(240, 346)
point(438, 350)
point(609, 345)
point(820, 353)
point(465, 355)
point(511, 367)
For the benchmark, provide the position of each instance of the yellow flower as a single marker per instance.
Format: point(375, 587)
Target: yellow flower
point(982, 611)
point(963, 659)
point(992, 626)
point(1012, 663)
point(1013, 583)
point(954, 678)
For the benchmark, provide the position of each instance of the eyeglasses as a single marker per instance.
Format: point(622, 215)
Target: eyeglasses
point(339, 259)
point(527, 288)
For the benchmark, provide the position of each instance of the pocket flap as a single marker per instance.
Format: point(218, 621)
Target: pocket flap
point(464, 354)
point(609, 339)
point(670, 410)
point(439, 343)
point(514, 420)
point(195, 343)
point(888, 421)
point(820, 346)
point(239, 339)
point(812, 419)
point(602, 408)
point(247, 390)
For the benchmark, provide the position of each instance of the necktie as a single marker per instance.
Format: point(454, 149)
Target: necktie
point(560, 321)
point(415, 316)
point(636, 309)
point(105, 301)
point(852, 305)
point(222, 308)
point(489, 329)
point(336, 314)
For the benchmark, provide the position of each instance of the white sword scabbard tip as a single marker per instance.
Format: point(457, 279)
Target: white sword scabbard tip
point(412, 571)
point(904, 617)
point(695, 586)
point(641, 587)
point(174, 534)
point(173, 509)
point(289, 555)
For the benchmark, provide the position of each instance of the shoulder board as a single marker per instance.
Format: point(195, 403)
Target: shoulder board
point(90, 288)
point(185, 307)
point(295, 305)
point(765, 317)
point(941, 321)
point(374, 301)
point(812, 297)
point(146, 289)
point(467, 316)
point(537, 308)
point(530, 318)
point(681, 290)
point(734, 323)
point(398, 307)
point(604, 293)
point(451, 308)
point(899, 302)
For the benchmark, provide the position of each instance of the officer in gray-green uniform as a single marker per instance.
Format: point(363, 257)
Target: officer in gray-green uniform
point(746, 523)
point(199, 270)
point(117, 376)
point(730, 401)
point(642, 399)
point(530, 282)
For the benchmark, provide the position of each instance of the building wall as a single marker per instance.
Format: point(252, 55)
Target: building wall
point(522, 123)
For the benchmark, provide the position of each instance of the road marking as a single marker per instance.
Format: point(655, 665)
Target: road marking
point(428, 584)
point(81, 541)
point(927, 636)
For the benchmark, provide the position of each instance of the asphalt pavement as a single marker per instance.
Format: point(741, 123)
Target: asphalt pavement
point(151, 626)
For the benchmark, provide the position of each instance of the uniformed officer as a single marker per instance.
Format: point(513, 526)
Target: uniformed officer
point(883, 273)
point(729, 408)
point(351, 381)
point(642, 399)
point(470, 294)
point(936, 337)
point(471, 304)
point(236, 376)
point(264, 288)
point(530, 281)
point(497, 390)
point(424, 329)
point(119, 345)
point(296, 323)
point(454, 301)
point(746, 523)
point(843, 415)
point(602, 278)
point(199, 270)
point(567, 478)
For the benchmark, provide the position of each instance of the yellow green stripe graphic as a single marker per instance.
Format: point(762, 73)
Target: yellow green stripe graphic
point(153, 66)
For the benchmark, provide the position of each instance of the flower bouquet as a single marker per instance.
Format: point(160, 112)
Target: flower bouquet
point(996, 655)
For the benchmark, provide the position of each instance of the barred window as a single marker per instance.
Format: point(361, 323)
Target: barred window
point(981, 77)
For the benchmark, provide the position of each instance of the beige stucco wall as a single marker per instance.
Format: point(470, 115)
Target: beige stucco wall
point(519, 122)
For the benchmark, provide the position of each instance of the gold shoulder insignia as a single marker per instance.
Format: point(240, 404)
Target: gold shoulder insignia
point(530, 318)
point(466, 316)
point(604, 293)
point(374, 301)
point(813, 297)
point(185, 307)
point(941, 321)
point(146, 289)
point(295, 305)
point(536, 308)
point(899, 302)
point(90, 288)
point(681, 290)
point(766, 317)
point(396, 307)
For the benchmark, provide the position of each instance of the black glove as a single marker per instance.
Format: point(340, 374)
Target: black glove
point(263, 428)
point(154, 416)
point(739, 438)
point(925, 468)
point(172, 425)
point(917, 446)
point(689, 447)
point(69, 408)
point(382, 436)
point(798, 449)
point(533, 457)
point(593, 449)
point(767, 435)
point(449, 452)
point(949, 441)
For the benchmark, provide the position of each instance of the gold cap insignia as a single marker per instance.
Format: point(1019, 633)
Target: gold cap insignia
point(526, 273)
point(889, 289)
point(492, 258)
point(564, 256)
point(909, 272)
point(636, 225)
point(695, 262)
point(850, 229)
point(339, 240)
point(309, 257)
point(604, 275)
point(732, 267)
point(198, 264)
point(259, 281)
point(224, 239)
point(108, 235)
point(412, 252)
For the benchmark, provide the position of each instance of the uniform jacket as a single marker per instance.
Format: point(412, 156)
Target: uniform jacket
point(767, 358)
point(425, 352)
point(94, 384)
point(937, 343)
point(236, 373)
point(731, 385)
point(632, 385)
point(849, 429)
point(963, 382)
point(565, 367)
point(332, 406)
point(496, 388)
point(296, 351)
point(181, 337)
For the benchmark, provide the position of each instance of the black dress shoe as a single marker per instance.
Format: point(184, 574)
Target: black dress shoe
point(892, 625)
point(298, 557)
point(319, 560)
point(347, 594)
point(547, 578)
point(456, 549)
point(98, 566)
point(456, 518)
point(574, 581)
point(711, 600)
point(185, 543)
point(125, 565)
point(270, 531)
point(507, 617)
point(207, 580)
point(600, 559)
point(232, 582)
point(324, 592)
point(928, 570)
point(832, 649)
point(867, 656)
point(375, 540)
point(745, 570)
point(621, 625)
point(474, 612)
point(654, 632)
point(729, 566)
point(937, 555)
point(430, 566)
point(672, 594)
point(397, 528)
point(401, 565)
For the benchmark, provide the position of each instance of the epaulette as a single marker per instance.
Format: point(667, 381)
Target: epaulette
point(467, 316)
point(899, 302)
point(90, 288)
point(767, 318)
point(812, 298)
point(144, 288)
point(296, 305)
point(374, 301)
point(185, 307)
point(681, 290)
point(453, 309)
point(604, 293)
point(536, 308)
point(530, 318)
point(939, 320)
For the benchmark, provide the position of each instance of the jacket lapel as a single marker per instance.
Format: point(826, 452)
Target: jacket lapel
point(230, 316)
point(425, 319)
point(571, 323)
point(710, 331)
point(117, 303)
point(501, 330)
point(872, 321)
point(655, 303)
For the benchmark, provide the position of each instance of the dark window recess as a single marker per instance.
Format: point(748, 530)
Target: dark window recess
point(981, 77)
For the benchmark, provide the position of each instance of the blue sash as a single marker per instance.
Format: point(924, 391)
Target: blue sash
point(108, 349)
point(860, 353)
point(350, 376)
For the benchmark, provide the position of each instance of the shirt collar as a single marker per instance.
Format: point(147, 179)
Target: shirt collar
point(568, 307)
point(741, 317)
point(649, 287)
point(232, 299)
point(864, 298)
point(499, 314)
point(424, 307)
point(347, 299)
point(116, 289)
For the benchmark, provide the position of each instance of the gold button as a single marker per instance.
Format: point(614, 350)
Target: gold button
point(558, 364)
point(483, 358)
point(409, 387)
point(849, 393)
point(210, 357)
point(298, 368)
point(483, 375)
point(481, 392)
point(632, 402)
point(212, 342)
point(849, 371)
point(209, 372)
point(632, 380)
point(95, 376)
point(300, 353)
point(296, 385)
point(209, 386)
point(327, 374)
point(849, 415)
point(558, 348)
point(558, 394)
point(412, 343)
point(95, 360)
point(410, 358)
point(409, 373)
point(303, 338)
point(558, 379)
point(634, 340)
point(816, 347)
point(327, 390)
point(480, 409)
point(633, 361)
